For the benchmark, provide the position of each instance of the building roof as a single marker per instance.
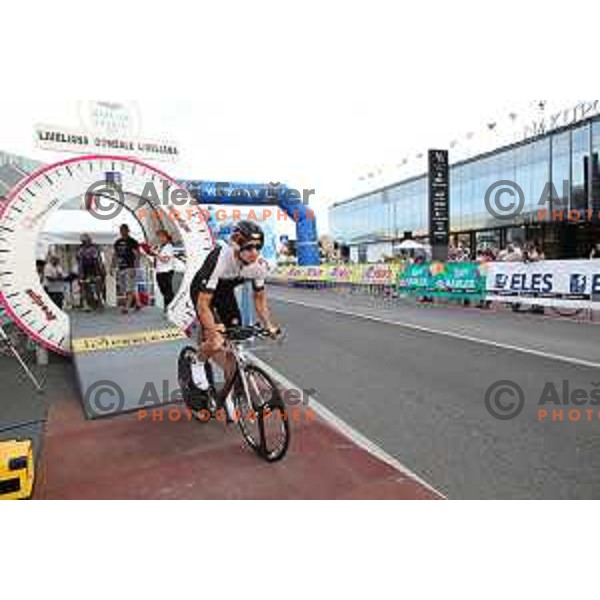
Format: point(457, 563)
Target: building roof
point(473, 159)
point(4, 189)
point(11, 174)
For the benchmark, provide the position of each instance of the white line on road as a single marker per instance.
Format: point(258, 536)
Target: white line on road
point(451, 334)
point(348, 431)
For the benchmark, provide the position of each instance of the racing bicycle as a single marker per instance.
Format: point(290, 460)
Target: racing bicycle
point(250, 397)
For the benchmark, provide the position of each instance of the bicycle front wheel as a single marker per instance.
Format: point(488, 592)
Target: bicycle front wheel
point(263, 419)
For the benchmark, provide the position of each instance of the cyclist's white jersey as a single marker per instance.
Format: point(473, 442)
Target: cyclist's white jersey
point(221, 270)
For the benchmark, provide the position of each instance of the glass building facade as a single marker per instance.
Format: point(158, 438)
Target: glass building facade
point(567, 158)
point(21, 162)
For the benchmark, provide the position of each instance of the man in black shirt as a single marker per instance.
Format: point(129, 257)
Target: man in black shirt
point(126, 259)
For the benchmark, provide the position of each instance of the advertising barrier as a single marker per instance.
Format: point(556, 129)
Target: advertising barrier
point(368, 275)
point(460, 281)
point(556, 284)
point(569, 284)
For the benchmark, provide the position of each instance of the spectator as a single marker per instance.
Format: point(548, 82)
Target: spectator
point(165, 266)
point(125, 261)
point(40, 265)
point(539, 252)
point(54, 281)
point(511, 254)
point(91, 272)
point(485, 256)
point(532, 254)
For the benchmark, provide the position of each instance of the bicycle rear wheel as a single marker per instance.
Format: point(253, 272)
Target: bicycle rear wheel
point(263, 419)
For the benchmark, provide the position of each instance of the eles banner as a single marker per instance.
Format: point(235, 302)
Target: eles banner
point(549, 281)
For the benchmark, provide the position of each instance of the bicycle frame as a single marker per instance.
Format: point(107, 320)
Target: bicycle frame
point(236, 350)
point(245, 406)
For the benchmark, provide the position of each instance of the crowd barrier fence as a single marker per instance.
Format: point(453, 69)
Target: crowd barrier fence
point(567, 288)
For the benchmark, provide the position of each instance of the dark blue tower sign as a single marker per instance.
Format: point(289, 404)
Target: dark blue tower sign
point(439, 203)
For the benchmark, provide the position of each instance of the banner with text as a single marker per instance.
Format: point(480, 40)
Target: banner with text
point(549, 283)
point(440, 280)
point(373, 275)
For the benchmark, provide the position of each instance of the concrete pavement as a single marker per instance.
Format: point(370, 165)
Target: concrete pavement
point(420, 395)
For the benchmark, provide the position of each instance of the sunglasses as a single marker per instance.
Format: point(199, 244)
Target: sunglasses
point(250, 247)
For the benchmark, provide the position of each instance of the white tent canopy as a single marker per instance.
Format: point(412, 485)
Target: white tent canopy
point(65, 227)
point(410, 245)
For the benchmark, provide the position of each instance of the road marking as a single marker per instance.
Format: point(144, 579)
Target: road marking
point(348, 431)
point(451, 334)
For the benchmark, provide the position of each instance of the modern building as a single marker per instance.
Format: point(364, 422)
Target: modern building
point(374, 223)
point(12, 169)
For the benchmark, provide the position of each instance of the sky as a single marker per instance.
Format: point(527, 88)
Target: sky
point(317, 152)
point(310, 94)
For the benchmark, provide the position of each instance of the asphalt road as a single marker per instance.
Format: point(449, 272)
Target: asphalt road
point(418, 389)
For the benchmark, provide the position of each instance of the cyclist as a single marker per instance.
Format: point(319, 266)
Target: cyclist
point(213, 295)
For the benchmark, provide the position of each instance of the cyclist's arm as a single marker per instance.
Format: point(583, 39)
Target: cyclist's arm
point(262, 309)
point(205, 313)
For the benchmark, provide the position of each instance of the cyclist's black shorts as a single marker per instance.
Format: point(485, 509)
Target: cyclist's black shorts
point(224, 304)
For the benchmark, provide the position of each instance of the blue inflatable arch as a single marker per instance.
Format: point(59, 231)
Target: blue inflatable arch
point(244, 194)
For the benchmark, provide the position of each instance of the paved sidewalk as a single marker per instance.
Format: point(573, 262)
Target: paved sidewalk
point(23, 411)
point(123, 458)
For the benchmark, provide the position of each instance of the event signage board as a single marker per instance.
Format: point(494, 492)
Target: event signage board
point(439, 203)
point(61, 139)
point(375, 275)
point(106, 128)
point(440, 280)
point(548, 283)
point(570, 284)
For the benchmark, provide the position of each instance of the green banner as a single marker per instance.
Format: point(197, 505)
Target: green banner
point(438, 280)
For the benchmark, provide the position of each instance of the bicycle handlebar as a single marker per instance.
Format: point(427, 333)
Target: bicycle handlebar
point(240, 334)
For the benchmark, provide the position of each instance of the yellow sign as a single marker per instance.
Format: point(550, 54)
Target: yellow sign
point(385, 274)
point(17, 470)
point(116, 342)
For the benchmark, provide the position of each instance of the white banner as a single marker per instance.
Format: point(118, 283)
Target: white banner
point(60, 139)
point(574, 284)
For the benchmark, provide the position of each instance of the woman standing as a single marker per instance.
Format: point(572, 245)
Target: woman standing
point(54, 281)
point(165, 266)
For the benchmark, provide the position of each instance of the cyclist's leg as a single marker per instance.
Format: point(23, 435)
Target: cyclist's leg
point(204, 351)
point(227, 313)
